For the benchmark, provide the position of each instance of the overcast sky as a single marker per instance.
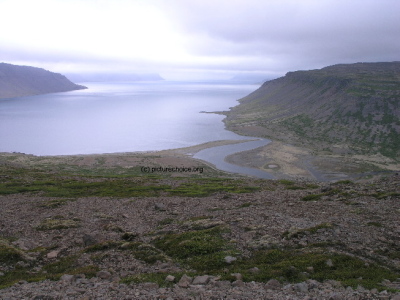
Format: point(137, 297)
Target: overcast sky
point(197, 39)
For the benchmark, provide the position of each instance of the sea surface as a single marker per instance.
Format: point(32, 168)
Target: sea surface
point(119, 117)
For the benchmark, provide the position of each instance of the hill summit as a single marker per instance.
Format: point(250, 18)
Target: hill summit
point(345, 108)
point(18, 81)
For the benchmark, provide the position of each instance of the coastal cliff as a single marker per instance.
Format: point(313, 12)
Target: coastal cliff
point(340, 109)
point(18, 81)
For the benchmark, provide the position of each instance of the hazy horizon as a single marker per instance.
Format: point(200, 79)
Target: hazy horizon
point(195, 40)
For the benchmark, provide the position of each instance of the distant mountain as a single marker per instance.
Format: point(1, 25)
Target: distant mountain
point(113, 77)
point(18, 81)
point(352, 108)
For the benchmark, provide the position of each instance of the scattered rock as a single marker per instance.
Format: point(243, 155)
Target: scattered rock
point(185, 281)
point(254, 270)
point(160, 207)
point(201, 280)
point(273, 284)
point(89, 240)
point(238, 276)
point(301, 287)
point(103, 274)
point(53, 254)
point(229, 259)
point(170, 278)
point(329, 263)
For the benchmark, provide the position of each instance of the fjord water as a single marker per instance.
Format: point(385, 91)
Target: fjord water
point(119, 117)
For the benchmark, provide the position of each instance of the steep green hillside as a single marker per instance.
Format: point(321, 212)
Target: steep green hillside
point(342, 108)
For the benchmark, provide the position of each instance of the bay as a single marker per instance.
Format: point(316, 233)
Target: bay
point(119, 117)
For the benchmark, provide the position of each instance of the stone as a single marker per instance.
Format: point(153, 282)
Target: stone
point(229, 259)
point(160, 207)
point(170, 278)
point(238, 283)
point(301, 287)
point(52, 254)
point(89, 240)
point(273, 284)
point(329, 263)
point(254, 270)
point(201, 280)
point(67, 278)
point(103, 274)
point(238, 276)
point(310, 269)
point(185, 281)
point(150, 286)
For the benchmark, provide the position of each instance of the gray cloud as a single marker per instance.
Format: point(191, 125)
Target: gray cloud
point(228, 37)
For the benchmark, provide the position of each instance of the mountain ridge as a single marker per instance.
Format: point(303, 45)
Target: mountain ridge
point(19, 81)
point(353, 109)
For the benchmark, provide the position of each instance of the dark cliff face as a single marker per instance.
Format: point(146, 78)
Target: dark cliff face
point(18, 81)
point(356, 106)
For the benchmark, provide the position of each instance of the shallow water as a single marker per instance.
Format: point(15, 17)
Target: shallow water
point(216, 156)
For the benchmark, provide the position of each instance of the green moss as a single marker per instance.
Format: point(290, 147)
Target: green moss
point(312, 197)
point(58, 223)
point(376, 224)
point(53, 271)
point(247, 204)
point(145, 252)
point(55, 203)
point(199, 250)
point(102, 246)
point(384, 195)
point(311, 230)
point(286, 182)
point(291, 265)
point(9, 254)
point(166, 221)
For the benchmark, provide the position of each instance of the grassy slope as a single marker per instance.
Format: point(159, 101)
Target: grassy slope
point(199, 250)
point(355, 107)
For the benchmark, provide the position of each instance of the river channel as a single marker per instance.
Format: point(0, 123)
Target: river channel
point(217, 155)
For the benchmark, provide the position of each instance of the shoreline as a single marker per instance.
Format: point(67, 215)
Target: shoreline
point(282, 160)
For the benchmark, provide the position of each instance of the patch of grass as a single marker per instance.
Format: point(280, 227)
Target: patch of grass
point(102, 246)
point(52, 271)
point(145, 252)
point(384, 195)
point(296, 187)
point(58, 223)
point(205, 187)
point(343, 182)
point(200, 250)
point(166, 221)
point(247, 204)
point(312, 230)
point(54, 203)
point(9, 254)
point(376, 224)
point(290, 265)
point(286, 182)
point(312, 197)
point(158, 278)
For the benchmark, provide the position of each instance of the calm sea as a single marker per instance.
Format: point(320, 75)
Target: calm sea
point(118, 117)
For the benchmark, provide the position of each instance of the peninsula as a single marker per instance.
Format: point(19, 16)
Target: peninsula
point(19, 81)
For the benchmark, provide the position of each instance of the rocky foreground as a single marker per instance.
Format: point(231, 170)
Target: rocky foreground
point(92, 229)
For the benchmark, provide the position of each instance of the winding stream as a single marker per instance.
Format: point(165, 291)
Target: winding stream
point(217, 155)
